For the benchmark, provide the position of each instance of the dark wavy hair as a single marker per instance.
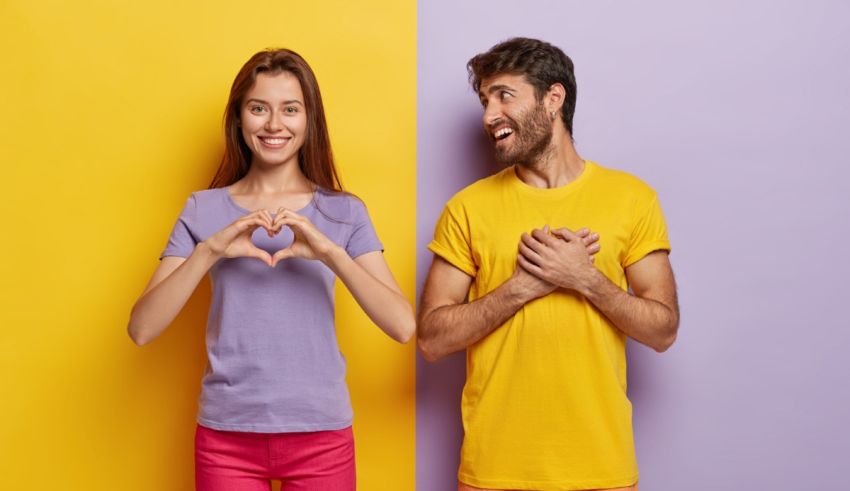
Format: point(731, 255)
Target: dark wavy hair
point(315, 157)
point(541, 63)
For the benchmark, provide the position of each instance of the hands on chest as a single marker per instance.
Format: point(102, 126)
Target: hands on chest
point(556, 258)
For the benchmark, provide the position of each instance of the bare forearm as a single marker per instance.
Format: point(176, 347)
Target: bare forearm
point(158, 307)
point(647, 321)
point(387, 308)
point(449, 328)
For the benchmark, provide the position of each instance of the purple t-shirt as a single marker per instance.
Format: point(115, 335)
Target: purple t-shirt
point(273, 361)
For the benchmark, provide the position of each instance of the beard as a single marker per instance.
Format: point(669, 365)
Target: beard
point(531, 138)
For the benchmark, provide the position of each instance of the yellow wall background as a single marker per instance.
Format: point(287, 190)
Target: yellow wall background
point(111, 116)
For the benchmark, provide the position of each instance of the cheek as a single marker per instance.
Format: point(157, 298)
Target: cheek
point(300, 126)
point(251, 124)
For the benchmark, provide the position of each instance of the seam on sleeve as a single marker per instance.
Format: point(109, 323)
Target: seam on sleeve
point(451, 258)
point(644, 249)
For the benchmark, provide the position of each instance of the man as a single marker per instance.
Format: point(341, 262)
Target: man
point(549, 309)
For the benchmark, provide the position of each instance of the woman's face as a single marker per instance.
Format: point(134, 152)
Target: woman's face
point(273, 119)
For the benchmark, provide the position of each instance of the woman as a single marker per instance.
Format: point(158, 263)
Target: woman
point(273, 231)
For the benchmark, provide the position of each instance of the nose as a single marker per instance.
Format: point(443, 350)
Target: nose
point(274, 121)
point(492, 114)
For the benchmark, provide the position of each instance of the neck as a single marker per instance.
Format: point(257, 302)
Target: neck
point(270, 179)
point(558, 166)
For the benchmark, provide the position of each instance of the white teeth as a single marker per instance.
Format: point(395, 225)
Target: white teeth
point(503, 132)
point(274, 141)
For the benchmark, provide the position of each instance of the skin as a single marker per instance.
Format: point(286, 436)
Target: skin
point(547, 259)
point(273, 121)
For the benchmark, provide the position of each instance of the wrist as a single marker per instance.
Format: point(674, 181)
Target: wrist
point(515, 292)
point(334, 257)
point(592, 282)
point(205, 252)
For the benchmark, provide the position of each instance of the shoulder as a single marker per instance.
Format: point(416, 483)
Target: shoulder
point(205, 202)
point(340, 204)
point(207, 196)
point(482, 191)
point(621, 183)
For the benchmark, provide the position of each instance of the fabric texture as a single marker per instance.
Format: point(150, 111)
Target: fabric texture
point(544, 405)
point(241, 461)
point(273, 361)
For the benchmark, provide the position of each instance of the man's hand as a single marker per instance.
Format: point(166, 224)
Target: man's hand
point(527, 285)
point(562, 258)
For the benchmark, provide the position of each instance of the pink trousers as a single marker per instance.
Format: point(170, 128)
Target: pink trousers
point(309, 461)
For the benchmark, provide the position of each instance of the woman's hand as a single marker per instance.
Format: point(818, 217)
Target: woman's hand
point(234, 240)
point(309, 242)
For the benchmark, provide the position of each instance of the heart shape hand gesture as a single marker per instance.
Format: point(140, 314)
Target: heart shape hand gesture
point(235, 239)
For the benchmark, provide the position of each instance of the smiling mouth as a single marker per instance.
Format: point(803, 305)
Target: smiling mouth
point(273, 141)
point(502, 133)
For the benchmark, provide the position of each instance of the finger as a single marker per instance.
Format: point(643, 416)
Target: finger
point(288, 221)
point(287, 214)
point(529, 266)
point(532, 243)
point(583, 232)
point(530, 254)
point(269, 222)
point(276, 223)
point(258, 213)
point(593, 248)
point(566, 234)
point(282, 255)
point(278, 214)
point(267, 215)
point(590, 239)
point(543, 235)
point(259, 254)
point(250, 222)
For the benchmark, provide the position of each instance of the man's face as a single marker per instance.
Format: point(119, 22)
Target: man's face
point(516, 122)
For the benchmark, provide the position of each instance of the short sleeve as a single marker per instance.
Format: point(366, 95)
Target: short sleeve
point(452, 238)
point(649, 234)
point(182, 242)
point(363, 237)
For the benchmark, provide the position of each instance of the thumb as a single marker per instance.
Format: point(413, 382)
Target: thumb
point(259, 254)
point(281, 255)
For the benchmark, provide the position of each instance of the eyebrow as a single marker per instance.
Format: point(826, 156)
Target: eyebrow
point(285, 103)
point(498, 87)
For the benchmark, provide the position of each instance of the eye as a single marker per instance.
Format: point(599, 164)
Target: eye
point(290, 109)
point(505, 95)
point(483, 103)
point(257, 109)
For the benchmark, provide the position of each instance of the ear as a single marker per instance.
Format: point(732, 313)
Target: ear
point(554, 98)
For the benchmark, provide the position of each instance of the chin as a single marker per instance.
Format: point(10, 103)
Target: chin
point(504, 158)
point(270, 160)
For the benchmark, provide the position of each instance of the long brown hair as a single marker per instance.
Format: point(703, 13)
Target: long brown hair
point(315, 157)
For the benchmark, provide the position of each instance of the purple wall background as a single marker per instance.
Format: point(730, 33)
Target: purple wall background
point(736, 113)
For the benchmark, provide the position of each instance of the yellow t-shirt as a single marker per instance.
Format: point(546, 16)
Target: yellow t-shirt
point(544, 405)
